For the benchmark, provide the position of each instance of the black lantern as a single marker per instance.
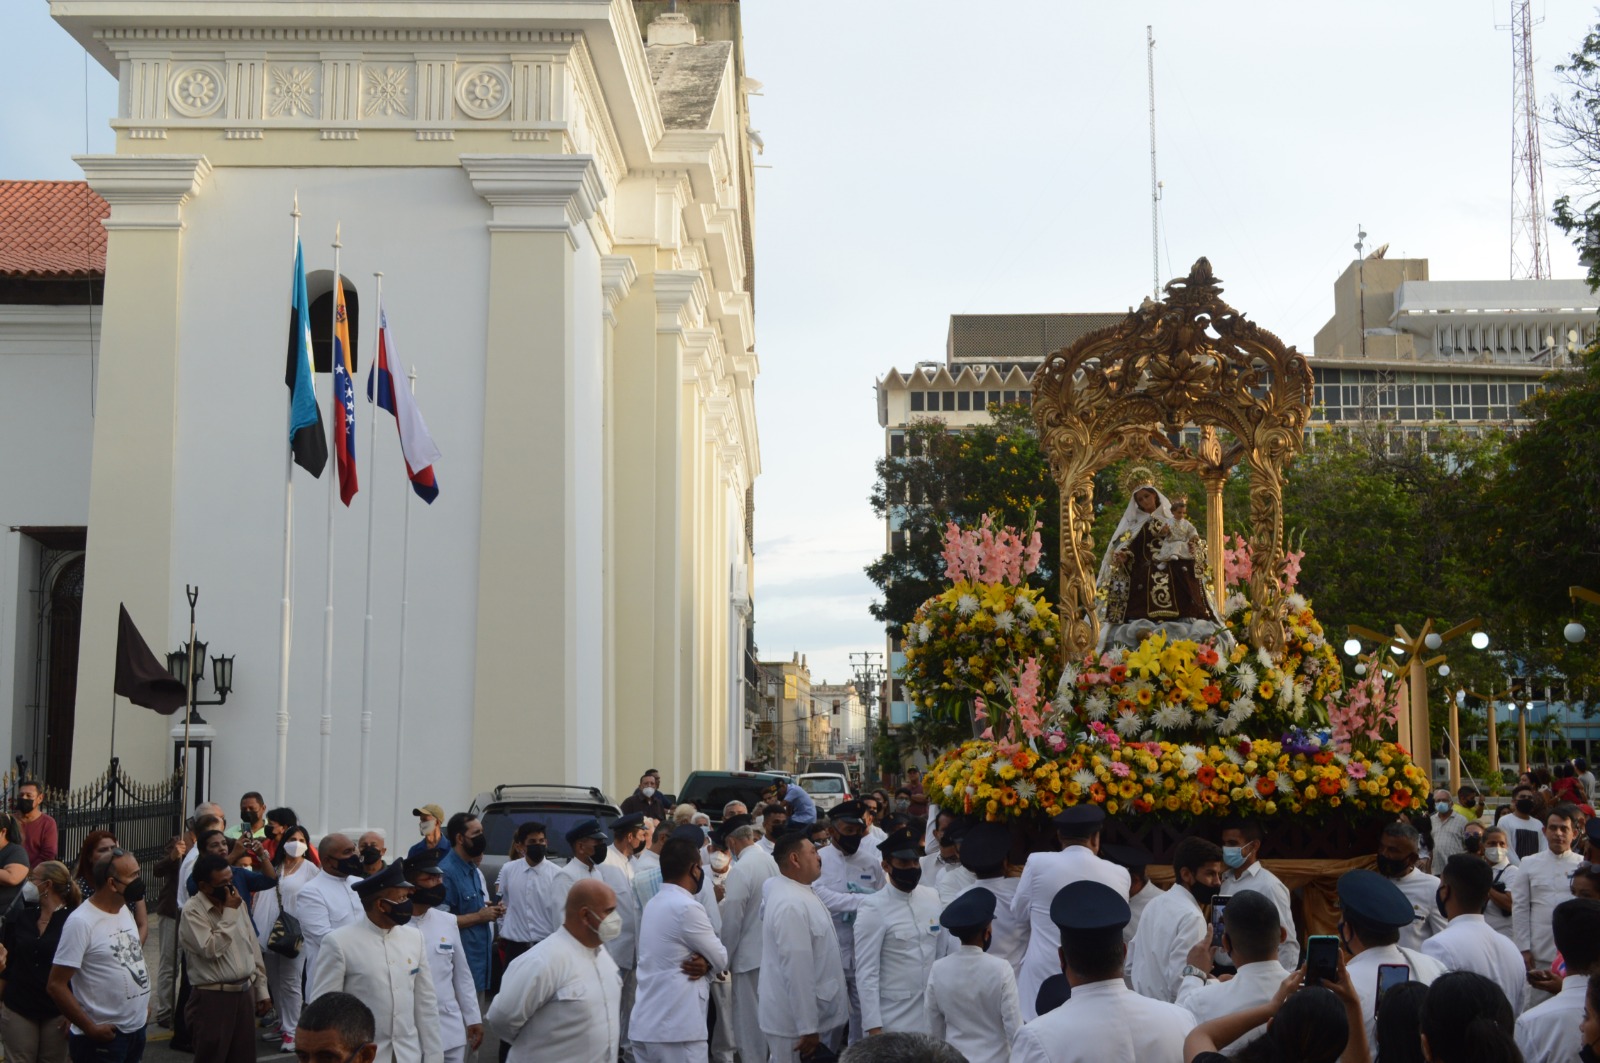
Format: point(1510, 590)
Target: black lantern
point(221, 674)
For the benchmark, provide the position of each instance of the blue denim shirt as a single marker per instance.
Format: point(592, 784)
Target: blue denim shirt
point(462, 896)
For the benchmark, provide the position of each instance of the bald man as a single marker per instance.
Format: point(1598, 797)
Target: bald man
point(328, 902)
point(582, 1026)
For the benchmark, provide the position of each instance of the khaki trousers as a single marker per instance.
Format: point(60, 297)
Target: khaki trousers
point(27, 1041)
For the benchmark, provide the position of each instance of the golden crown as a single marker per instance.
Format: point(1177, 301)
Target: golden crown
point(1136, 477)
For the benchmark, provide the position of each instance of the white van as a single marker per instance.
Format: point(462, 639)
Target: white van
point(826, 788)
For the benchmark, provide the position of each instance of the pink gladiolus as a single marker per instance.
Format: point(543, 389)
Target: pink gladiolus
point(988, 732)
point(1291, 568)
point(980, 710)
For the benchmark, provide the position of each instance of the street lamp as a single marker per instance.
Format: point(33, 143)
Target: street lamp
point(1575, 631)
point(221, 674)
point(1414, 732)
point(1352, 647)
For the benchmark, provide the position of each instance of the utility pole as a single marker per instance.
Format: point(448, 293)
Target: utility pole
point(1361, 283)
point(867, 665)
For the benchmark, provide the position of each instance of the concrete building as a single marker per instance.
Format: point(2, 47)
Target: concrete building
point(792, 724)
point(989, 360)
point(847, 717)
point(562, 211)
point(1418, 355)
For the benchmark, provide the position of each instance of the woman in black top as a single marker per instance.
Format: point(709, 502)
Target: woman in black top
point(13, 862)
point(30, 933)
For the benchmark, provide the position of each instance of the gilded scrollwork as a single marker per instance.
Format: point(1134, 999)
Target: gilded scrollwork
point(1120, 392)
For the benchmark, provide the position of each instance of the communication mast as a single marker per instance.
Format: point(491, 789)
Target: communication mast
point(1155, 185)
point(1530, 242)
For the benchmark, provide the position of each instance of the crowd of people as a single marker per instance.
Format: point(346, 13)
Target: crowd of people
point(865, 933)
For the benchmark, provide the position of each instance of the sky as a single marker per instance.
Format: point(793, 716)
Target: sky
point(939, 158)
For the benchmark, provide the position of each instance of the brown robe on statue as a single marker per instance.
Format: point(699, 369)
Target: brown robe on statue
point(1161, 590)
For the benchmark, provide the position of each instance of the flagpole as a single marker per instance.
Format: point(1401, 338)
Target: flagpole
point(193, 594)
point(405, 582)
point(284, 605)
point(334, 411)
point(366, 626)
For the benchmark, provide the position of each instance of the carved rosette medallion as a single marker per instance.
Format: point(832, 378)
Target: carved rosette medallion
point(196, 90)
point(1190, 359)
point(292, 91)
point(483, 91)
point(387, 91)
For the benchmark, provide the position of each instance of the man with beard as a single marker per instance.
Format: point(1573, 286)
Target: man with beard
point(464, 894)
point(1175, 922)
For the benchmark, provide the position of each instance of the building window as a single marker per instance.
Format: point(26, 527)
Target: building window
point(963, 401)
point(897, 444)
point(836, 706)
point(994, 398)
point(916, 402)
point(949, 401)
point(1011, 398)
point(897, 541)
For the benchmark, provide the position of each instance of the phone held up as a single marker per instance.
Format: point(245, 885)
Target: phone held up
point(1322, 959)
point(1389, 975)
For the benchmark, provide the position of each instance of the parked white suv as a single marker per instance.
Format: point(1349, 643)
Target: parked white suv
point(827, 789)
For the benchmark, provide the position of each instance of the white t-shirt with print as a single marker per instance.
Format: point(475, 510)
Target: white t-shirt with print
point(112, 984)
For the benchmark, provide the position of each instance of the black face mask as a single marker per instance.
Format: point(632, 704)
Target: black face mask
point(1474, 843)
point(1202, 893)
point(1389, 867)
point(699, 883)
point(848, 843)
point(1525, 805)
point(248, 815)
point(221, 893)
point(1587, 1054)
point(905, 878)
point(1438, 898)
point(639, 848)
point(429, 896)
point(370, 855)
point(476, 846)
point(777, 828)
point(133, 892)
point(400, 912)
point(535, 853)
point(24, 805)
point(350, 865)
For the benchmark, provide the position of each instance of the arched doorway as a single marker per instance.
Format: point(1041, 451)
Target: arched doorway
point(63, 612)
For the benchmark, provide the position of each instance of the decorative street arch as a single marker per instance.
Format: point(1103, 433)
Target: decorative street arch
point(1121, 392)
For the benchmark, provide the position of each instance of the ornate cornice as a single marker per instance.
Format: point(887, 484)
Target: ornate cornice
point(145, 191)
point(617, 274)
point(536, 193)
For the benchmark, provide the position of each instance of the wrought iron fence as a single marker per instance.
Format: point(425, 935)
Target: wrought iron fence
point(143, 816)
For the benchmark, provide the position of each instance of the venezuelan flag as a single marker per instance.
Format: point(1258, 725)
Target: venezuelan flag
point(344, 393)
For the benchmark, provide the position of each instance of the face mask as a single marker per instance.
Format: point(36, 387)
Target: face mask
point(1525, 805)
point(1587, 1054)
point(425, 827)
point(848, 843)
point(428, 896)
point(1233, 856)
point(647, 791)
point(902, 805)
point(535, 853)
point(1495, 854)
point(1438, 898)
point(699, 883)
point(350, 865)
point(24, 805)
point(370, 855)
point(610, 927)
point(1391, 868)
point(248, 815)
point(777, 828)
point(639, 848)
point(1204, 894)
point(30, 892)
point(720, 862)
point(220, 894)
point(133, 892)
point(476, 846)
point(1473, 842)
point(295, 848)
point(905, 878)
point(1442, 807)
point(401, 911)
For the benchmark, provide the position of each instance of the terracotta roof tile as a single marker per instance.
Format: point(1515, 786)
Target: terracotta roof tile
point(51, 229)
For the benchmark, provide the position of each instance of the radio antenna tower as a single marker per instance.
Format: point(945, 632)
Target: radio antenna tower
point(1155, 185)
point(1530, 242)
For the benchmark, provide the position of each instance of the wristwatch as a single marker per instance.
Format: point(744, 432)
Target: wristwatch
point(1191, 971)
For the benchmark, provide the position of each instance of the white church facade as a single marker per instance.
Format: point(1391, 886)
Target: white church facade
point(559, 202)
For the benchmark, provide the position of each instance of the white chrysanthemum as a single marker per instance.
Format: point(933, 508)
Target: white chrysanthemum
point(1084, 778)
point(1235, 757)
point(1168, 717)
point(1127, 723)
point(1069, 678)
point(1248, 679)
point(1285, 783)
point(1005, 620)
point(1234, 603)
point(1264, 658)
point(1185, 716)
point(1207, 719)
point(1154, 780)
point(966, 605)
point(1118, 654)
point(1296, 602)
point(1228, 726)
point(1285, 693)
point(1134, 687)
point(1241, 706)
point(1349, 787)
point(1098, 705)
point(1025, 609)
point(1147, 735)
point(1191, 763)
point(924, 633)
point(1025, 789)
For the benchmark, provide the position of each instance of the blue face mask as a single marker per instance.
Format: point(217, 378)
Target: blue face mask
point(1233, 856)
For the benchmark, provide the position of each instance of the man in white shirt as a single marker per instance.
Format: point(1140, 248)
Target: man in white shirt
point(851, 869)
point(207, 817)
point(1525, 831)
point(1447, 828)
point(741, 929)
point(1546, 881)
point(1469, 943)
point(1397, 861)
point(947, 857)
point(379, 961)
point(1141, 891)
point(629, 838)
point(678, 952)
point(1548, 1033)
point(1497, 851)
point(1252, 935)
point(460, 1024)
point(774, 822)
point(589, 843)
point(1374, 912)
point(1175, 922)
point(1043, 876)
point(983, 852)
point(1241, 852)
point(562, 998)
point(328, 902)
point(803, 996)
point(98, 981)
point(528, 888)
point(897, 936)
point(1104, 1019)
point(971, 995)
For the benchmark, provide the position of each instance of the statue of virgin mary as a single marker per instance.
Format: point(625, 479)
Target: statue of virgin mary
point(1144, 585)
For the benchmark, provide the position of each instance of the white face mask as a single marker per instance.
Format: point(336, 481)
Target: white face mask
point(425, 827)
point(648, 791)
point(1494, 853)
point(720, 861)
point(30, 892)
point(295, 848)
point(609, 928)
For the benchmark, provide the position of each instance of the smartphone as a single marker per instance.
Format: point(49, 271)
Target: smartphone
point(1322, 959)
point(1389, 975)
point(1219, 904)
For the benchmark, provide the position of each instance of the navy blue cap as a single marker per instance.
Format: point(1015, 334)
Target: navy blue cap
point(1088, 905)
point(1591, 829)
point(424, 863)
point(848, 811)
point(391, 877)
point(733, 823)
point(901, 845)
point(587, 828)
point(970, 911)
point(1053, 992)
point(985, 846)
point(1128, 856)
point(1375, 899)
point(1080, 821)
point(628, 822)
point(688, 832)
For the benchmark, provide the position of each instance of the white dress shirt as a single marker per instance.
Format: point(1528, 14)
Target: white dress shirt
point(1172, 924)
point(1363, 972)
point(323, 905)
point(1505, 879)
point(559, 1000)
point(1042, 878)
point(624, 864)
point(844, 884)
point(185, 869)
point(1548, 1033)
point(1008, 935)
point(897, 936)
point(1105, 1022)
point(452, 976)
point(1469, 943)
point(741, 908)
point(528, 892)
point(1545, 882)
point(1136, 906)
point(1252, 985)
point(625, 947)
point(802, 973)
point(671, 1007)
point(971, 1002)
point(1422, 890)
point(1257, 878)
point(385, 970)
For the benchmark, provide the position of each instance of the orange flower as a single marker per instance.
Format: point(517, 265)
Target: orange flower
point(1141, 806)
point(1020, 759)
point(1211, 694)
point(1329, 787)
point(1266, 786)
point(1097, 793)
point(1008, 797)
point(1206, 774)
